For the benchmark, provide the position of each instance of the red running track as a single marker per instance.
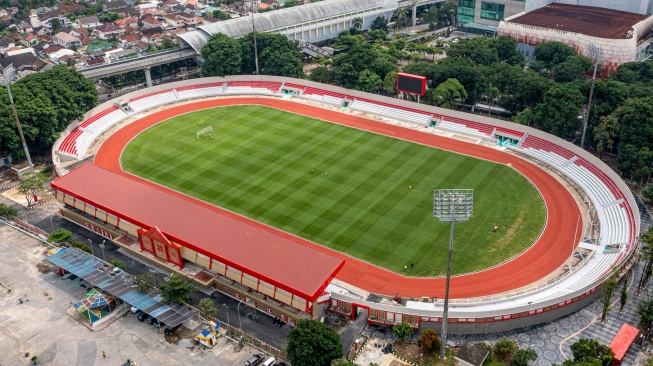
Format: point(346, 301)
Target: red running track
point(545, 256)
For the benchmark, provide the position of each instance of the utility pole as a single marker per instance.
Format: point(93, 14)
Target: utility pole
point(255, 48)
point(20, 128)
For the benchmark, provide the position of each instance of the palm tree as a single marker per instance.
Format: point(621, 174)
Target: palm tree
point(357, 23)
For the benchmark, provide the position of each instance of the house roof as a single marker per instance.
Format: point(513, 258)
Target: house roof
point(115, 4)
point(257, 250)
point(108, 28)
point(125, 21)
point(51, 49)
point(151, 20)
point(472, 353)
point(129, 37)
point(19, 60)
point(89, 20)
point(95, 61)
point(68, 38)
point(71, 8)
point(152, 30)
point(6, 41)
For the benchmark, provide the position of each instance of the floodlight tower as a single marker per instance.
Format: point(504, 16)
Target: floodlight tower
point(596, 54)
point(451, 205)
point(5, 82)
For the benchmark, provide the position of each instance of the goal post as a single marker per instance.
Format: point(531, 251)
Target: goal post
point(206, 132)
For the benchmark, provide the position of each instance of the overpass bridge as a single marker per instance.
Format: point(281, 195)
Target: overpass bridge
point(144, 62)
point(307, 24)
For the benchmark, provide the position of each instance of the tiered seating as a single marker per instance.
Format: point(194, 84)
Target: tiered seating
point(68, 145)
point(541, 144)
point(396, 112)
point(484, 129)
point(460, 128)
point(270, 86)
point(152, 101)
point(507, 131)
point(97, 116)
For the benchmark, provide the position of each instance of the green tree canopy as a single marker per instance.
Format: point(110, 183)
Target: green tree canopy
point(523, 356)
point(119, 264)
point(31, 185)
point(446, 93)
point(553, 53)
point(312, 343)
point(222, 56)
point(208, 307)
point(60, 236)
point(402, 331)
point(635, 134)
point(574, 68)
point(380, 23)
point(178, 289)
point(590, 350)
point(558, 113)
point(321, 74)
point(219, 14)
point(144, 281)
point(7, 211)
point(369, 81)
point(505, 349)
point(479, 50)
point(277, 55)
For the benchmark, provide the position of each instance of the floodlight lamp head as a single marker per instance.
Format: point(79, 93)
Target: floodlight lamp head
point(453, 205)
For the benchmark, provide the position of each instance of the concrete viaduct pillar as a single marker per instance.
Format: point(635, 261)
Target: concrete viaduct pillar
point(414, 14)
point(148, 77)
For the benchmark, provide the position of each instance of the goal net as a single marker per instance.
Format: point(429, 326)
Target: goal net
point(206, 133)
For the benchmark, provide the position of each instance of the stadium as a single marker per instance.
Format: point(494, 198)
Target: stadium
point(274, 204)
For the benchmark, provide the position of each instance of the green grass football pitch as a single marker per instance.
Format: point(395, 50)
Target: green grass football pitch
point(260, 164)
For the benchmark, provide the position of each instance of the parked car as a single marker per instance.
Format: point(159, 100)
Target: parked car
point(157, 322)
point(169, 330)
point(133, 309)
point(149, 319)
point(142, 316)
point(254, 360)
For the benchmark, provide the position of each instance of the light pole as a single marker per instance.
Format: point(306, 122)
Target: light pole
point(102, 247)
point(238, 310)
point(227, 311)
point(596, 54)
point(18, 125)
point(51, 224)
point(153, 272)
point(451, 205)
point(255, 48)
point(90, 245)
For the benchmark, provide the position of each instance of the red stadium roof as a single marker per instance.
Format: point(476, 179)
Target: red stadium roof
point(622, 341)
point(588, 20)
point(281, 261)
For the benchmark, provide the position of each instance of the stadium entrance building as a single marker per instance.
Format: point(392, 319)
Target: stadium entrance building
point(264, 268)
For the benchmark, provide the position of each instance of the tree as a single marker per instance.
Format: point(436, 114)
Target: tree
point(553, 53)
point(558, 112)
point(508, 52)
point(588, 350)
point(312, 343)
point(633, 155)
point(342, 362)
point(144, 281)
point(605, 134)
point(219, 14)
point(574, 68)
point(525, 117)
point(429, 341)
point(357, 23)
point(222, 55)
point(646, 254)
point(7, 211)
point(109, 17)
point(291, 3)
point(523, 356)
point(277, 55)
point(345, 75)
point(645, 312)
point(60, 236)
point(401, 19)
point(623, 296)
point(380, 23)
point(119, 264)
point(505, 349)
point(402, 331)
point(31, 185)
point(208, 307)
point(390, 82)
point(278, 62)
point(606, 295)
point(647, 192)
point(82, 246)
point(445, 93)
point(369, 81)
point(479, 50)
point(178, 289)
point(321, 74)
point(56, 25)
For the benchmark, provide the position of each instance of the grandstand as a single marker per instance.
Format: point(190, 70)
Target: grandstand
point(608, 198)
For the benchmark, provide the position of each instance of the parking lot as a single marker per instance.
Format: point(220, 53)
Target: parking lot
point(40, 326)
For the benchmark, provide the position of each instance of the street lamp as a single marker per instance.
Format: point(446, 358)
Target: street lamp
point(238, 310)
point(90, 245)
point(451, 205)
point(102, 247)
point(51, 224)
point(595, 53)
point(153, 272)
point(227, 311)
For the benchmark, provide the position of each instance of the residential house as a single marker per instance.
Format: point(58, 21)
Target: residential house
point(24, 27)
point(6, 43)
point(95, 61)
point(60, 56)
point(108, 31)
point(131, 22)
point(79, 32)
point(89, 22)
point(147, 8)
point(66, 40)
point(46, 19)
point(129, 40)
point(17, 66)
point(19, 50)
point(70, 8)
point(151, 35)
point(150, 22)
point(112, 6)
point(209, 19)
point(31, 40)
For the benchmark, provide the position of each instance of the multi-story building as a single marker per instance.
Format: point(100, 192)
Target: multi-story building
point(483, 16)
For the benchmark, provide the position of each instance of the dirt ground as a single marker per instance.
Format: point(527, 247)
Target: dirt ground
point(373, 354)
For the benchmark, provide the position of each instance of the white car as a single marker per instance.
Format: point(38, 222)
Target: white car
point(454, 40)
